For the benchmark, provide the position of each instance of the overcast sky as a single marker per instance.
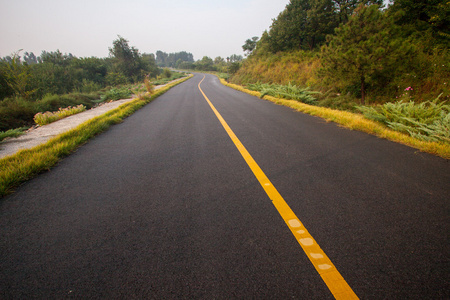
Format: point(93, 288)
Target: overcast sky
point(88, 27)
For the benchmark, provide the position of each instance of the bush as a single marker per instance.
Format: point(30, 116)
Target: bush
point(117, 94)
point(49, 117)
point(15, 113)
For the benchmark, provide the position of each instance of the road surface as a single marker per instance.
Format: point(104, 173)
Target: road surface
point(164, 206)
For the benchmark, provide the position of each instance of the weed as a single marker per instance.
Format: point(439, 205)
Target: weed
point(49, 117)
point(12, 133)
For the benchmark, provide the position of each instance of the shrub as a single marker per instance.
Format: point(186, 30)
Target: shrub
point(428, 121)
point(117, 94)
point(12, 133)
point(49, 117)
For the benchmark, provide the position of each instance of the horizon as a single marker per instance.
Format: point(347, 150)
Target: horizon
point(88, 28)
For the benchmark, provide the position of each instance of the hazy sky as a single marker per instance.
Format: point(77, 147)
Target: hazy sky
point(88, 27)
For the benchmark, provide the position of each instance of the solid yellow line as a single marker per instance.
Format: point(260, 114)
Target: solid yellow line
point(330, 275)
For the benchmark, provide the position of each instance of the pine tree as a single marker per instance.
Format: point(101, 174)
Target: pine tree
point(362, 49)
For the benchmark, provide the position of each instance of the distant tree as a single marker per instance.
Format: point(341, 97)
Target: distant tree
point(236, 58)
point(205, 64)
point(219, 60)
point(30, 58)
point(304, 24)
point(126, 59)
point(149, 65)
point(17, 77)
point(56, 58)
point(161, 58)
point(234, 67)
point(250, 45)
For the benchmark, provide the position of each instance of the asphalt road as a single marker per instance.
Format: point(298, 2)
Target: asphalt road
point(163, 206)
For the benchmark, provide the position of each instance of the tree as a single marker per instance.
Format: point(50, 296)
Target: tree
point(126, 59)
point(236, 58)
point(419, 16)
point(362, 49)
point(205, 64)
point(30, 58)
point(250, 45)
point(161, 58)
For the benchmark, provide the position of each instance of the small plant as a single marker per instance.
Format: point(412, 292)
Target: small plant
point(49, 117)
point(285, 92)
point(148, 85)
point(12, 133)
point(116, 94)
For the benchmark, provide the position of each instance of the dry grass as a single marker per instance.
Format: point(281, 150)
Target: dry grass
point(355, 122)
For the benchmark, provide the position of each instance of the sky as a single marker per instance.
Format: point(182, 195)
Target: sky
point(88, 27)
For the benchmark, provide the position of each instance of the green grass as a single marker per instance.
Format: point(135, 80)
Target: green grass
point(356, 122)
point(12, 133)
point(117, 94)
point(25, 164)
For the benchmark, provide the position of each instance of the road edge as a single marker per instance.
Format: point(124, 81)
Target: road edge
point(353, 121)
point(17, 168)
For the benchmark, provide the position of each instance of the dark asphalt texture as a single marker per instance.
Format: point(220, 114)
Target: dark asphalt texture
point(163, 206)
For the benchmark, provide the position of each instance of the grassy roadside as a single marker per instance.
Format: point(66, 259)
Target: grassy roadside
point(25, 164)
point(355, 122)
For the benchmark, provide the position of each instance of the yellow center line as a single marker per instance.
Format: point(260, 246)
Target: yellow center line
point(330, 275)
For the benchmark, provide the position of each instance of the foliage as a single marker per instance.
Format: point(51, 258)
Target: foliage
point(50, 117)
point(429, 121)
point(298, 67)
point(173, 60)
point(12, 133)
point(56, 73)
point(285, 92)
point(250, 45)
point(364, 48)
point(174, 76)
point(304, 24)
point(370, 54)
point(18, 112)
point(116, 94)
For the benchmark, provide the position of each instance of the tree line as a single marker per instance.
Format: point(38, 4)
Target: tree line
point(184, 60)
point(31, 77)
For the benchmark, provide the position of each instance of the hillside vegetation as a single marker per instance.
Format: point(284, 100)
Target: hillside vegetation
point(356, 52)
